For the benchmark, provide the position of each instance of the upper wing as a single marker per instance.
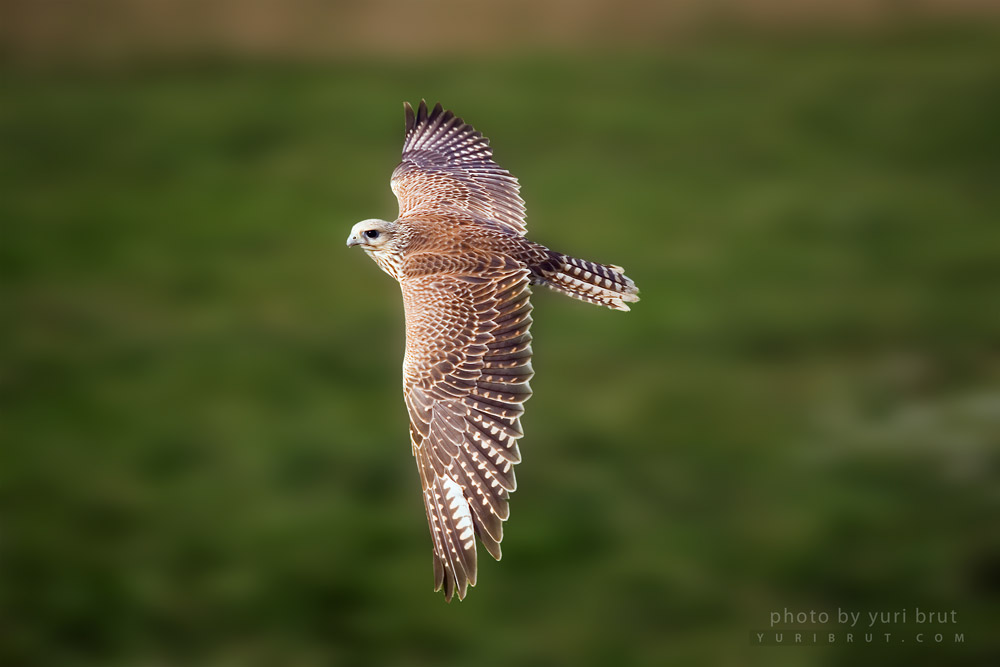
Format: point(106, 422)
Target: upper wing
point(465, 378)
point(448, 167)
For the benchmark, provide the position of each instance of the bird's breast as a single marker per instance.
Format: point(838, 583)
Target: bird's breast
point(390, 262)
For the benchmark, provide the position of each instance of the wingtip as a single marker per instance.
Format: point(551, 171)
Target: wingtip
point(414, 118)
point(425, 113)
point(456, 590)
point(411, 119)
point(492, 548)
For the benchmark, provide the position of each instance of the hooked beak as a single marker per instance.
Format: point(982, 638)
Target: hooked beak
point(353, 240)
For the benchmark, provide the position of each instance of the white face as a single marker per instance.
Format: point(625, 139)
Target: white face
point(371, 235)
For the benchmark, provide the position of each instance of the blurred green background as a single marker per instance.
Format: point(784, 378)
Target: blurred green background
point(205, 457)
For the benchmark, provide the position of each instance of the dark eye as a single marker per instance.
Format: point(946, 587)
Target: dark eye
point(371, 233)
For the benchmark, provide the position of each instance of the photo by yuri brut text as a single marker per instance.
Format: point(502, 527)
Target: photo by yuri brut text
point(799, 638)
point(851, 618)
point(850, 626)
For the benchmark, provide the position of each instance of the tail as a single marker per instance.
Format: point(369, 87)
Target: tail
point(603, 284)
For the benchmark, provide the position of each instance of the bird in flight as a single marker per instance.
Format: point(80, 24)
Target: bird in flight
point(459, 252)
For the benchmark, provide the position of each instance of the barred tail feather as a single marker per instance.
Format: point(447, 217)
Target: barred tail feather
point(602, 284)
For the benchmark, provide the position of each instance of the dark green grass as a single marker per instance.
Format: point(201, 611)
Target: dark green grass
point(205, 457)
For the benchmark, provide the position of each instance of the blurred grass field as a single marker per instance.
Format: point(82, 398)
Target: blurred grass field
point(205, 456)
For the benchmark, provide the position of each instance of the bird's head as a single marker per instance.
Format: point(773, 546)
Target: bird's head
point(380, 240)
point(372, 235)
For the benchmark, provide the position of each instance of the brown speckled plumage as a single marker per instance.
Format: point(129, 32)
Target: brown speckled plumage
point(459, 253)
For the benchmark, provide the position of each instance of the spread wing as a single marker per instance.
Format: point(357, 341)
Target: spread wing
point(465, 379)
point(448, 168)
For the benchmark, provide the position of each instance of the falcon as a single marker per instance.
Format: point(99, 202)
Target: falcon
point(459, 252)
